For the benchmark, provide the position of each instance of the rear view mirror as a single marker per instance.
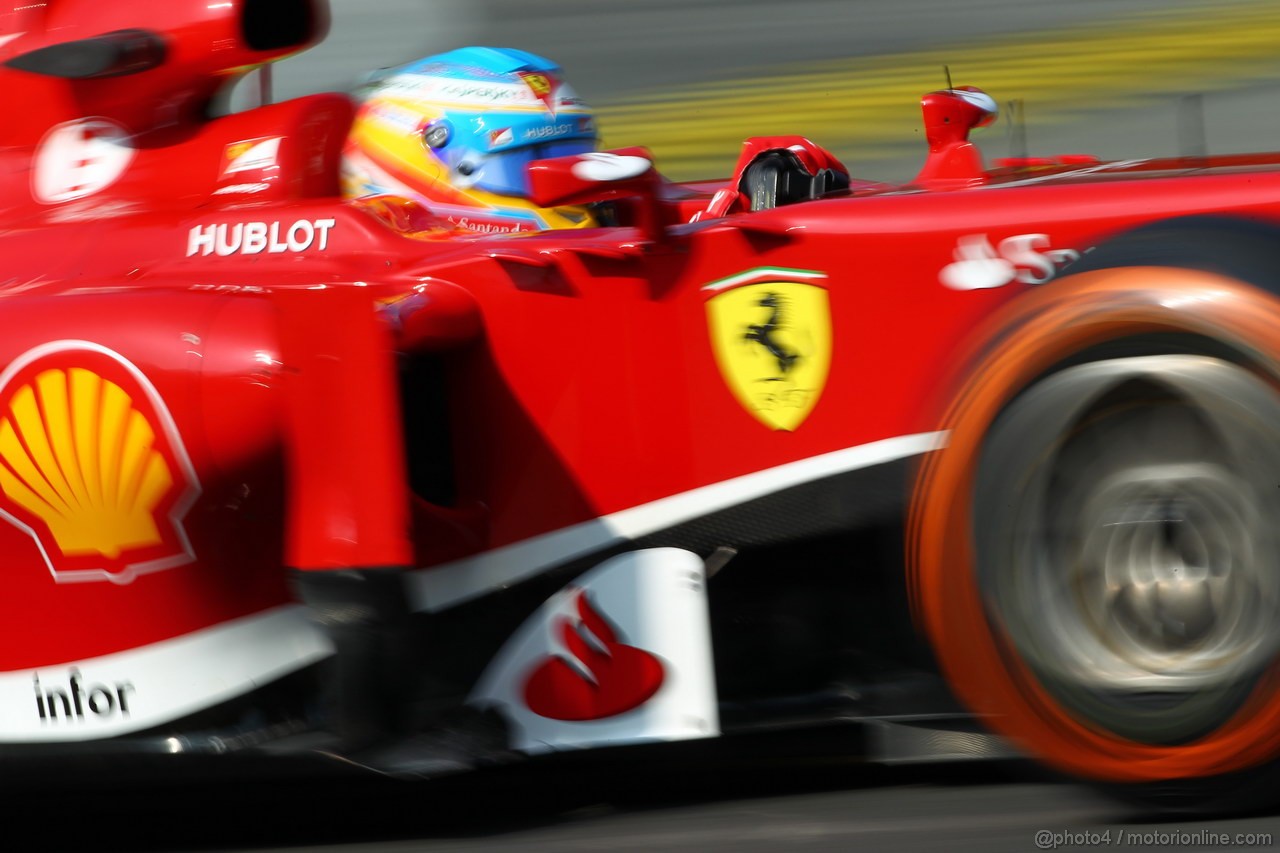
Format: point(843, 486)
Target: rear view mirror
point(625, 176)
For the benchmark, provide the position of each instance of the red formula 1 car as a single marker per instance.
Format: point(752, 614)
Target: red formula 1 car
point(285, 475)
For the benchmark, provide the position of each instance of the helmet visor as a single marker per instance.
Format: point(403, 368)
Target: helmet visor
point(507, 172)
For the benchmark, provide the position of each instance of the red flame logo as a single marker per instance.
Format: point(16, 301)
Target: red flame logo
point(604, 679)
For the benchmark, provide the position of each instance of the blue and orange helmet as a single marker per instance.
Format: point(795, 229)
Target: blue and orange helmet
point(457, 132)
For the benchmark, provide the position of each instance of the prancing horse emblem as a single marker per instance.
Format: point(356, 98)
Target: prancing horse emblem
point(763, 334)
point(771, 334)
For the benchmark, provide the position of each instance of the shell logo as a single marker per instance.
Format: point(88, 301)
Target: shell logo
point(91, 464)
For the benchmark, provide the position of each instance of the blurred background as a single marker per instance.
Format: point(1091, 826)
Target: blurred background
point(692, 78)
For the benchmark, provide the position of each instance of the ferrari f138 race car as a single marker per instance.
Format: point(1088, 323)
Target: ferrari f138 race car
point(293, 475)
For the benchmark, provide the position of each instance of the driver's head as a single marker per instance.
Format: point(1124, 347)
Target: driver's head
point(457, 131)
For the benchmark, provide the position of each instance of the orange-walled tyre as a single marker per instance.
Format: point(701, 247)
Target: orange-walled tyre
point(1095, 555)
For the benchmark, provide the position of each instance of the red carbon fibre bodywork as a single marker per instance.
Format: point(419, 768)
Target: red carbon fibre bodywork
point(593, 388)
point(581, 373)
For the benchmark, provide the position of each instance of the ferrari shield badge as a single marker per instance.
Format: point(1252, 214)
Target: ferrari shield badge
point(771, 333)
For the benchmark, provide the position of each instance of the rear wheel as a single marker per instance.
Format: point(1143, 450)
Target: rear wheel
point(1096, 554)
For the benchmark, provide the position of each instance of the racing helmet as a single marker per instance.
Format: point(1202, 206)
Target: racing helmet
point(457, 132)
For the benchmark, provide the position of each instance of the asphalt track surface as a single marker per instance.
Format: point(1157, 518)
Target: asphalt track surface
point(691, 78)
point(740, 805)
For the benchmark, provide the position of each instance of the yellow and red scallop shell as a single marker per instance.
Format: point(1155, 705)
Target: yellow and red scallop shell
point(77, 453)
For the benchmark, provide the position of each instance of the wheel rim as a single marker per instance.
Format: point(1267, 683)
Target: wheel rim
point(1121, 525)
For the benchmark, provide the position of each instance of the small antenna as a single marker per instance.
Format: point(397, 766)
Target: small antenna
point(264, 84)
point(947, 70)
point(1017, 130)
point(1192, 140)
